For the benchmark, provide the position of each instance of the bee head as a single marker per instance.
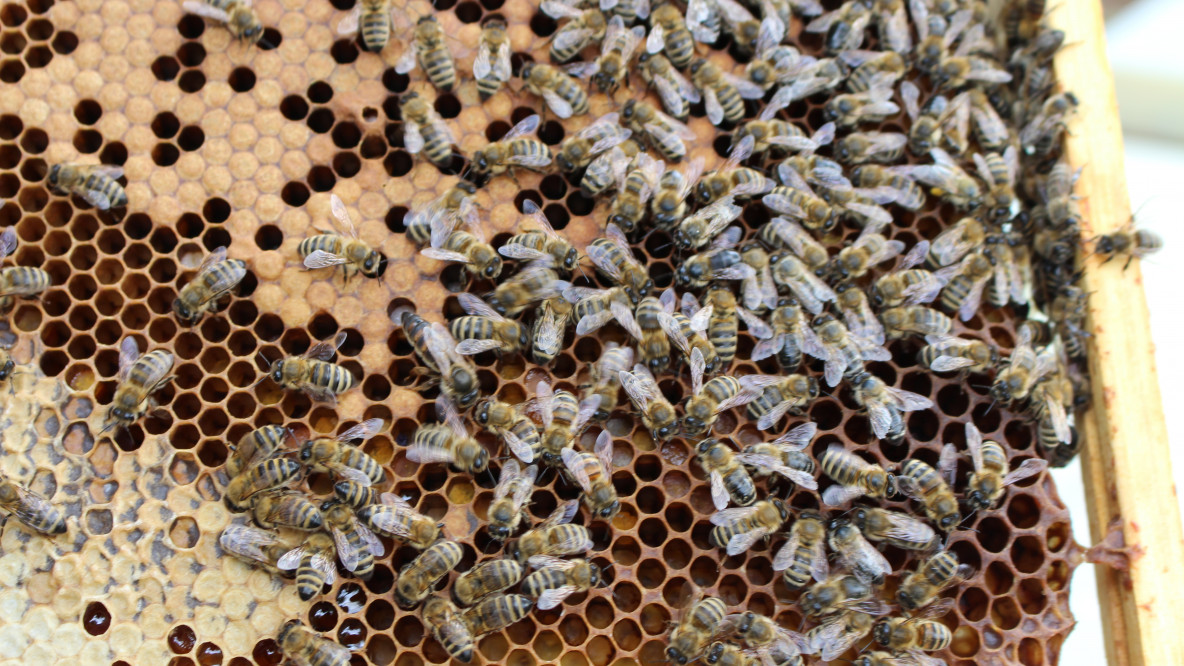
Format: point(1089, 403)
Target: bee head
point(253, 33)
point(714, 653)
point(277, 371)
point(481, 461)
point(667, 431)
point(493, 268)
point(523, 336)
point(674, 656)
point(426, 19)
point(1104, 245)
point(371, 264)
point(627, 112)
point(499, 532)
point(6, 369)
point(882, 632)
point(609, 510)
point(570, 259)
point(705, 445)
point(843, 150)
point(782, 510)
point(54, 174)
point(481, 161)
point(307, 451)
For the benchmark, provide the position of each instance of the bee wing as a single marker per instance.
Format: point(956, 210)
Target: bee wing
point(562, 514)
point(907, 528)
point(425, 454)
point(324, 350)
point(247, 541)
point(1060, 421)
point(832, 638)
point(349, 23)
point(803, 479)
point(769, 419)
point(324, 563)
point(865, 559)
point(553, 597)
point(745, 540)
point(672, 330)
point(350, 474)
point(797, 438)
point(321, 259)
point(203, 9)
point(556, 9)
point(719, 491)
point(559, 106)
point(539, 218)
point(604, 450)
point(785, 555)
point(756, 326)
point(30, 507)
point(483, 62)
point(746, 88)
point(973, 299)
point(475, 306)
point(947, 464)
point(291, 559)
point(363, 431)
point(412, 136)
point(841, 495)
point(528, 125)
point(573, 462)
point(880, 416)
point(8, 240)
point(698, 18)
point(391, 521)
point(372, 541)
point(640, 391)
point(350, 556)
point(406, 62)
point(729, 516)
point(549, 333)
point(1029, 467)
point(715, 111)
point(510, 472)
point(444, 255)
point(974, 444)
point(129, 351)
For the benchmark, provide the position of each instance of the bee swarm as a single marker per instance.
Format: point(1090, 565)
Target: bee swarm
point(224, 145)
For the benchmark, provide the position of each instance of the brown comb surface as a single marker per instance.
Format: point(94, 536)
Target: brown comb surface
point(228, 145)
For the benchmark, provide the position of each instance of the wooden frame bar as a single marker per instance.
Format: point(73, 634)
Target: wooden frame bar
point(1125, 462)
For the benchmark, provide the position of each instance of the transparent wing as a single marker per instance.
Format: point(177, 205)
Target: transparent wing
point(363, 431)
point(349, 23)
point(1029, 467)
point(321, 259)
point(8, 240)
point(324, 350)
point(406, 61)
point(129, 351)
point(527, 126)
point(841, 495)
point(203, 9)
point(719, 491)
point(349, 555)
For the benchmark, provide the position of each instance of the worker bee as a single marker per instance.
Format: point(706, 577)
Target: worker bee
point(914, 319)
point(491, 67)
point(555, 580)
point(613, 257)
point(790, 336)
point(424, 130)
point(484, 579)
point(312, 373)
point(360, 496)
point(665, 134)
point(563, 95)
point(554, 536)
point(786, 450)
point(999, 172)
point(965, 282)
point(857, 313)
point(616, 52)
point(305, 648)
point(737, 530)
point(1060, 205)
point(604, 380)
point(1011, 263)
point(216, 276)
point(945, 354)
point(770, 133)
point(515, 149)
point(699, 228)
point(669, 204)
point(906, 193)
point(699, 624)
point(496, 613)
point(894, 528)
point(946, 178)
point(435, 222)
point(838, 593)
point(747, 33)
point(287, 508)
point(394, 518)
point(766, 639)
point(729, 479)
point(839, 632)
point(1134, 243)
point(783, 233)
point(418, 578)
point(24, 281)
point(991, 475)
point(731, 179)
point(723, 93)
point(550, 323)
point(674, 90)
point(955, 242)
point(863, 147)
point(483, 329)
point(723, 331)
point(586, 27)
point(844, 28)
point(869, 249)
point(31, 509)
point(872, 70)
point(536, 282)
point(469, 248)
point(592, 471)
point(931, 577)
point(989, 128)
point(911, 658)
point(329, 249)
point(428, 48)
point(808, 290)
point(856, 554)
point(314, 562)
point(656, 411)
point(885, 404)
point(940, 122)
point(1043, 132)
point(653, 327)
point(707, 400)
point(593, 307)
point(139, 377)
point(869, 106)
point(252, 545)
point(914, 633)
point(563, 420)
point(719, 262)
point(607, 170)
point(509, 499)
point(372, 19)
point(775, 64)
point(543, 241)
point(240, 19)
point(436, 349)
point(356, 545)
point(799, 201)
point(844, 352)
point(855, 476)
point(509, 423)
point(334, 455)
point(906, 286)
point(692, 323)
point(669, 34)
point(931, 487)
point(777, 395)
point(449, 628)
point(260, 477)
point(629, 207)
point(448, 443)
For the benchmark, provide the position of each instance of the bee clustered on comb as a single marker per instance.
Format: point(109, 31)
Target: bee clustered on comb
point(224, 146)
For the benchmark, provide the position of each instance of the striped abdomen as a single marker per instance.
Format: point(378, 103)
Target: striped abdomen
point(331, 243)
point(330, 376)
point(375, 24)
point(23, 281)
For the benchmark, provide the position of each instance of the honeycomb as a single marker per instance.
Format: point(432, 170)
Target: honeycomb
point(228, 146)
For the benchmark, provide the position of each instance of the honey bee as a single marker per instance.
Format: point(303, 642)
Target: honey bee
point(216, 276)
point(613, 257)
point(699, 624)
point(913, 633)
point(931, 487)
point(536, 282)
point(992, 474)
point(669, 204)
point(469, 248)
point(491, 67)
point(335, 455)
point(139, 377)
point(252, 545)
point(1043, 132)
point(436, 349)
point(674, 90)
point(946, 354)
point(616, 52)
point(692, 322)
point(312, 373)
point(723, 331)
point(356, 545)
point(607, 170)
point(729, 479)
point(240, 19)
point(329, 249)
point(856, 554)
point(669, 34)
point(703, 21)
point(515, 149)
point(418, 578)
point(593, 307)
point(857, 313)
point(765, 638)
point(770, 133)
point(1060, 206)
point(31, 509)
point(912, 658)
point(6, 363)
point(592, 471)
point(448, 443)
point(955, 242)
point(906, 193)
point(314, 562)
point(906, 285)
point(838, 633)
point(931, 577)
point(509, 499)
point(509, 423)
point(776, 64)
point(305, 648)
point(799, 201)
point(563, 420)
point(604, 380)
point(737, 530)
point(947, 179)
point(1011, 265)
point(550, 323)
point(554, 536)
point(653, 327)
point(563, 95)
point(707, 400)
point(487, 578)
point(656, 411)
point(449, 628)
point(665, 134)
point(790, 336)
point(24, 281)
point(723, 93)
point(1129, 241)
point(785, 451)
point(1022, 370)
point(719, 262)
point(628, 208)
point(869, 106)
point(989, 128)
point(496, 613)
point(483, 329)
point(726, 654)
point(808, 290)
point(748, 34)
point(555, 580)
point(435, 222)
point(844, 352)
point(395, 518)
point(941, 122)
point(428, 48)
point(372, 19)
point(586, 27)
point(777, 395)
point(287, 508)
point(361, 496)
point(840, 593)
point(885, 404)
point(844, 27)
point(733, 180)
point(260, 477)
point(542, 241)
point(914, 319)
point(863, 147)
point(424, 130)
point(999, 172)
point(699, 228)
point(871, 70)
point(894, 528)
point(783, 233)
point(855, 476)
